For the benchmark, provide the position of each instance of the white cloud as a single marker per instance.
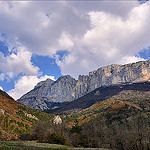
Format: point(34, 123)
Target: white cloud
point(2, 76)
point(25, 84)
point(130, 59)
point(95, 33)
point(40, 26)
point(65, 41)
point(17, 62)
point(111, 39)
point(1, 88)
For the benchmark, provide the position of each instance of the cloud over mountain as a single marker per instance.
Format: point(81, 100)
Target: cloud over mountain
point(94, 34)
point(25, 84)
point(1, 88)
point(111, 39)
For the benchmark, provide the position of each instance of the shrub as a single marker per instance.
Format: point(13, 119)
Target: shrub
point(16, 130)
point(25, 136)
point(76, 129)
point(11, 127)
point(56, 139)
point(20, 124)
point(1, 118)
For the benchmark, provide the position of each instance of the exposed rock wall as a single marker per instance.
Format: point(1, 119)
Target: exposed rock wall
point(50, 91)
point(57, 120)
point(2, 112)
point(67, 88)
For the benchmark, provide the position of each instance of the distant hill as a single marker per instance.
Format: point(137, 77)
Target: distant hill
point(16, 118)
point(51, 94)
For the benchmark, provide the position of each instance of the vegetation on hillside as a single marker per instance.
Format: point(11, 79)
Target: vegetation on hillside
point(107, 130)
point(121, 122)
point(17, 118)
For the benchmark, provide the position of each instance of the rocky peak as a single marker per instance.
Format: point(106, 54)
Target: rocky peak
point(67, 88)
point(48, 81)
point(65, 79)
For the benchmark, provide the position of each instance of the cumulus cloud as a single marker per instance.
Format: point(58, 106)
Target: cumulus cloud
point(95, 34)
point(130, 59)
point(111, 39)
point(65, 41)
point(1, 88)
point(25, 84)
point(16, 63)
point(42, 27)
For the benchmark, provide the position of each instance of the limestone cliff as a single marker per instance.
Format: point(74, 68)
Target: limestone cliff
point(47, 93)
point(67, 88)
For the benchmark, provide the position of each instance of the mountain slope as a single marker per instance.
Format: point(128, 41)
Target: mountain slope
point(138, 93)
point(16, 118)
point(48, 93)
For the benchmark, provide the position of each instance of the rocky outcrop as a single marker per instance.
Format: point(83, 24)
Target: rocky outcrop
point(2, 112)
point(31, 116)
point(57, 120)
point(67, 88)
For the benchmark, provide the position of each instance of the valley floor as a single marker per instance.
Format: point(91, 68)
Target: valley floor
point(20, 145)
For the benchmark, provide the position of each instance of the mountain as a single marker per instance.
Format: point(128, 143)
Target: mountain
point(138, 93)
point(51, 94)
point(17, 118)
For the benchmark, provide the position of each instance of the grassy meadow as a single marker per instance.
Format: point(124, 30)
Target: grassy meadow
point(20, 145)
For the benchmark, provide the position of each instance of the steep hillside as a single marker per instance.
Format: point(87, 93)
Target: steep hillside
point(48, 94)
point(108, 110)
point(112, 124)
point(138, 93)
point(16, 118)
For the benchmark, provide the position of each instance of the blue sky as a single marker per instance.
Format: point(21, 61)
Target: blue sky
point(40, 40)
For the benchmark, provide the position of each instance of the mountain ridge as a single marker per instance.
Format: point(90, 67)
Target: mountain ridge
point(66, 88)
point(104, 93)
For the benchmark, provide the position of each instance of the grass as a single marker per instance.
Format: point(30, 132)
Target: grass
point(89, 149)
point(19, 145)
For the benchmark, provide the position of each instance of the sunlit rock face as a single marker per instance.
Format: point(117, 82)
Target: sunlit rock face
point(66, 88)
point(57, 120)
point(47, 93)
point(2, 112)
point(113, 74)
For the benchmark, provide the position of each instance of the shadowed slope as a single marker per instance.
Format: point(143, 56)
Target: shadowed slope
point(103, 93)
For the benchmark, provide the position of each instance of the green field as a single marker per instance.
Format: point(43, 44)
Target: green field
point(19, 145)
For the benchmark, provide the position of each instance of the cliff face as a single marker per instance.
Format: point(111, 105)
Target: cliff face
point(67, 89)
point(47, 93)
point(113, 74)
